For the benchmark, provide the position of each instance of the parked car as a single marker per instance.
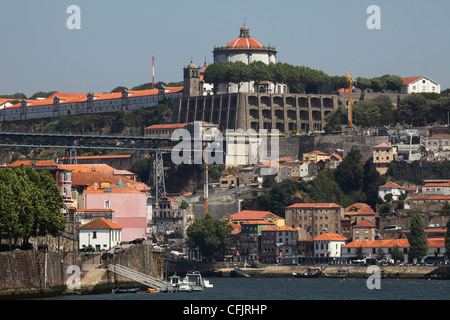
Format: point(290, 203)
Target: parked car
point(106, 255)
point(392, 228)
point(88, 248)
point(118, 250)
point(435, 225)
point(138, 240)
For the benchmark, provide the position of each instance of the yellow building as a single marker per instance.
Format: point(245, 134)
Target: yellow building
point(315, 156)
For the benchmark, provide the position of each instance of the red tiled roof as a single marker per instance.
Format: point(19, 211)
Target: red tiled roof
point(410, 79)
point(388, 243)
point(166, 126)
point(383, 145)
point(364, 224)
point(429, 198)
point(244, 43)
point(314, 205)
point(330, 237)
point(252, 215)
point(390, 184)
point(360, 208)
point(440, 136)
point(99, 224)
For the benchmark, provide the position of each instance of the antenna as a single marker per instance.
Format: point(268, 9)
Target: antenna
point(153, 65)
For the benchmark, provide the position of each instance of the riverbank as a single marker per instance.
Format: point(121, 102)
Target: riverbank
point(400, 272)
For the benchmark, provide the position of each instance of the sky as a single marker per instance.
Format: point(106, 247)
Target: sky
point(117, 39)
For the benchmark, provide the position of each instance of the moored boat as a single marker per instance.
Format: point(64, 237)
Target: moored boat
point(195, 280)
point(132, 290)
point(309, 273)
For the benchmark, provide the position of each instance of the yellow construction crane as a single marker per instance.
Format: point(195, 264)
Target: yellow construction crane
point(350, 103)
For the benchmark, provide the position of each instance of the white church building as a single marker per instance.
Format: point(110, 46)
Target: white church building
point(247, 50)
point(419, 84)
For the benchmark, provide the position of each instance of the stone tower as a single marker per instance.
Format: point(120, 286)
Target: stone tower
point(191, 80)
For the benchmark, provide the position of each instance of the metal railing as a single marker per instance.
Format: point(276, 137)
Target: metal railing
point(140, 277)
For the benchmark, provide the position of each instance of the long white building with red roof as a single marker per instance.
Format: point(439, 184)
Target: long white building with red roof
point(63, 104)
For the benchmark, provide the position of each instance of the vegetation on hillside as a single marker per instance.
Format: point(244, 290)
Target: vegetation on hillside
point(415, 110)
point(30, 204)
point(351, 182)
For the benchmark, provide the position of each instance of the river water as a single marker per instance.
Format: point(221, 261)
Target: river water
point(240, 289)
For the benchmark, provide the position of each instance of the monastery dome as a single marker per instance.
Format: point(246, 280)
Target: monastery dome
point(244, 41)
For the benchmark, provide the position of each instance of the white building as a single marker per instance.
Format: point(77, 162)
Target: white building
point(62, 104)
point(419, 84)
point(100, 233)
point(392, 188)
point(247, 50)
point(328, 245)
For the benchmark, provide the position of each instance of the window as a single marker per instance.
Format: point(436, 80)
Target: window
point(94, 235)
point(106, 204)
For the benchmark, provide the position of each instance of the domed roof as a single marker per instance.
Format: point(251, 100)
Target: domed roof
point(244, 41)
point(191, 65)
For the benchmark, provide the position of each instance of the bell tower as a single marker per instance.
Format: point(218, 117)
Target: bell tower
point(191, 79)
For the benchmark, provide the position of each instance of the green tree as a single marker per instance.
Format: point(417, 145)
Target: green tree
point(237, 73)
point(397, 255)
point(350, 172)
point(29, 201)
point(214, 74)
point(413, 111)
point(418, 244)
point(209, 235)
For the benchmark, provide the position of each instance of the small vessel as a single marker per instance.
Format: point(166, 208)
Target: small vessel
point(184, 287)
point(152, 290)
point(132, 290)
point(309, 273)
point(174, 281)
point(195, 280)
point(340, 274)
point(207, 284)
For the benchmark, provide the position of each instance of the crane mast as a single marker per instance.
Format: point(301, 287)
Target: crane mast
point(350, 104)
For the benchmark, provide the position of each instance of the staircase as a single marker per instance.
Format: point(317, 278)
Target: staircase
point(140, 277)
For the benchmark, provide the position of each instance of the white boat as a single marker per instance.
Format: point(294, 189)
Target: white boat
point(207, 284)
point(195, 279)
point(184, 287)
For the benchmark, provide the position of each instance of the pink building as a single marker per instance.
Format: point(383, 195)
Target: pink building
point(129, 205)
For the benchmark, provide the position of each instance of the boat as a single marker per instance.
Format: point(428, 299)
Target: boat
point(335, 275)
point(174, 281)
point(195, 280)
point(152, 290)
point(309, 273)
point(339, 274)
point(207, 284)
point(184, 287)
point(132, 290)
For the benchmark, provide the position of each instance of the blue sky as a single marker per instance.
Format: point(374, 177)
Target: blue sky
point(117, 39)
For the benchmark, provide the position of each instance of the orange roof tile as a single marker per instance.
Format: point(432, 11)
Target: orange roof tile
point(383, 145)
point(314, 205)
point(408, 80)
point(99, 224)
point(390, 184)
point(364, 224)
point(429, 198)
point(330, 237)
point(166, 126)
point(252, 215)
point(388, 243)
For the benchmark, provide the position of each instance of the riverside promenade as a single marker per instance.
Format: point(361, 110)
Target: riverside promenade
point(274, 271)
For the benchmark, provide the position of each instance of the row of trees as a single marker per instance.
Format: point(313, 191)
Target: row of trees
point(299, 78)
point(414, 110)
point(30, 204)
